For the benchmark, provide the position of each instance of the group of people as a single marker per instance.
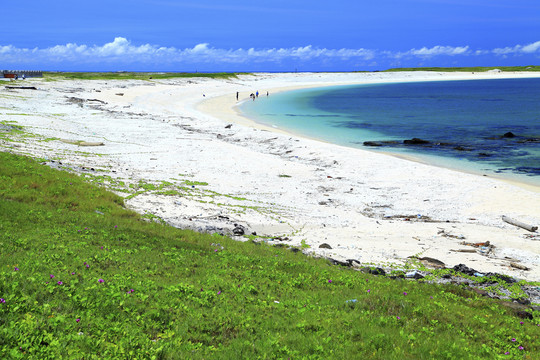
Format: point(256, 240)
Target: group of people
point(253, 96)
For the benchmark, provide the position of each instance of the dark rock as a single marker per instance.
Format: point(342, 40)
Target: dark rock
point(504, 278)
point(373, 271)
point(325, 246)
point(352, 261)
point(372, 143)
point(509, 135)
point(295, 250)
point(447, 276)
point(415, 141)
point(461, 148)
point(239, 230)
point(519, 310)
point(523, 301)
point(480, 292)
point(228, 126)
point(464, 269)
point(340, 263)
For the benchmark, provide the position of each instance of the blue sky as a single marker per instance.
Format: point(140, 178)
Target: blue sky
point(277, 35)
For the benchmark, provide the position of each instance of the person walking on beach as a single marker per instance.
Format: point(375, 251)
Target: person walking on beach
point(257, 93)
point(237, 96)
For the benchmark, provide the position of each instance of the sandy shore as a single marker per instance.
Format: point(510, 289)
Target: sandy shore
point(212, 177)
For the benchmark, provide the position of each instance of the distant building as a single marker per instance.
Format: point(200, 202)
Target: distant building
point(19, 73)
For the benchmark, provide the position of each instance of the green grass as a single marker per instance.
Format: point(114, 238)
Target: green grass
point(529, 68)
point(82, 277)
point(51, 76)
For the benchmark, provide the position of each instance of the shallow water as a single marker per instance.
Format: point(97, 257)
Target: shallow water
point(464, 121)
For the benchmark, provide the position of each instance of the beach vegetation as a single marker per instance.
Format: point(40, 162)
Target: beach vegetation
point(81, 276)
point(129, 75)
point(529, 68)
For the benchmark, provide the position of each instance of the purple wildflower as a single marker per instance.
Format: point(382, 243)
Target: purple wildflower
point(219, 292)
point(521, 322)
point(521, 348)
point(60, 283)
point(16, 269)
point(101, 280)
point(2, 300)
point(397, 317)
point(72, 273)
point(507, 353)
point(404, 293)
point(368, 290)
point(77, 320)
point(329, 281)
point(52, 276)
point(115, 226)
point(513, 339)
point(87, 266)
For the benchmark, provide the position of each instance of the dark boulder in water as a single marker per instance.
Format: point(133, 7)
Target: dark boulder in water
point(415, 141)
point(372, 143)
point(509, 135)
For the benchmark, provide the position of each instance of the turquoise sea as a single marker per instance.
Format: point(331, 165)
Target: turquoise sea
point(484, 126)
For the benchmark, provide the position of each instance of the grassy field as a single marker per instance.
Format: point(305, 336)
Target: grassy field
point(83, 277)
point(126, 75)
point(529, 68)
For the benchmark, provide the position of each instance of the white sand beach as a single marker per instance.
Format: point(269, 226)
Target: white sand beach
point(367, 206)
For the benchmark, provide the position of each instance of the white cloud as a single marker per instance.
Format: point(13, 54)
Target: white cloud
point(122, 52)
point(519, 49)
point(436, 51)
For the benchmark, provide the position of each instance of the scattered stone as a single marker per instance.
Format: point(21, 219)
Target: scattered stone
point(325, 246)
point(228, 126)
point(464, 269)
point(239, 230)
point(518, 266)
point(428, 261)
point(519, 310)
point(480, 292)
point(373, 271)
point(372, 143)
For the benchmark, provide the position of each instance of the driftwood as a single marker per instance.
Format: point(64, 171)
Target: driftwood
point(82, 143)
point(21, 87)
point(519, 224)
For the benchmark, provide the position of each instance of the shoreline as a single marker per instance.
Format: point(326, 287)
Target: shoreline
point(371, 207)
point(239, 118)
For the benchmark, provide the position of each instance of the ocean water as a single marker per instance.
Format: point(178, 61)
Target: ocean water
point(464, 122)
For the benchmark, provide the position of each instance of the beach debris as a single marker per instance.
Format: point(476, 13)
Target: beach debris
point(119, 94)
point(228, 126)
point(464, 250)
point(414, 275)
point(325, 246)
point(519, 266)
point(443, 232)
point(519, 224)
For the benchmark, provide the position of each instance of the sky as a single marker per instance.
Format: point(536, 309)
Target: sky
point(264, 35)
